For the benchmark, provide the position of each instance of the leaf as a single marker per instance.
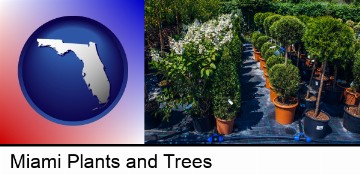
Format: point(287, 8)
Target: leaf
point(202, 72)
point(207, 72)
point(212, 65)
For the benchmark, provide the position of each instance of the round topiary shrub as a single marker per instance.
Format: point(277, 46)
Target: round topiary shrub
point(269, 21)
point(265, 47)
point(285, 80)
point(273, 60)
point(257, 19)
point(288, 30)
point(260, 41)
point(254, 36)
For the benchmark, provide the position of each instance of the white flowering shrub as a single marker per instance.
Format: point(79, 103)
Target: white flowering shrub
point(191, 62)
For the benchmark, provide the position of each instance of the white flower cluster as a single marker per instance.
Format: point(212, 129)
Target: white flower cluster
point(155, 55)
point(217, 31)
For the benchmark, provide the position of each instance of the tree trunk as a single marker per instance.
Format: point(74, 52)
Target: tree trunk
point(320, 89)
point(311, 77)
point(298, 56)
point(177, 23)
point(335, 77)
point(161, 42)
point(286, 55)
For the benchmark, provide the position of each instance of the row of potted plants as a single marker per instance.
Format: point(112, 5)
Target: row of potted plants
point(202, 73)
point(328, 40)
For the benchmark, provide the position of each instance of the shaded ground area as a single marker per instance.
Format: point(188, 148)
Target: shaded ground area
point(256, 122)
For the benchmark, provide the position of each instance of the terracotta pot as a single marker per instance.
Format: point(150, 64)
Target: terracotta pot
point(272, 93)
point(267, 84)
point(351, 98)
point(224, 127)
point(257, 55)
point(343, 89)
point(262, 63)
point(265, 70)
point(284, 114)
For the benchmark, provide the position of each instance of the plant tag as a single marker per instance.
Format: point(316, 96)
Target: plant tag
point(231, 103)
point(316, 83)
point(313, 61)
point(272, 47)
point(309, 56)
point(319, 128)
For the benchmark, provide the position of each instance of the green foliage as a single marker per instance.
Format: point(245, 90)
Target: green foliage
point(285, 80)
point(265, 47)
point(226, 86)
point(254, 36)
point(235, 47)
point(259, 19)
point(305, 19)
point(356, 72)
point(350, 23)
point(269, 21)
point(273, 60)
point(189, 77)
point(270, 52)
point(288, 30)
point(316, 9)
point(328, 39)
point(261, 40)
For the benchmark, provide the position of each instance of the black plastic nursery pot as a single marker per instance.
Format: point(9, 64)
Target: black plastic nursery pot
point(351, 122)
point(202, 124)
point(332, 96)
point(151, 121)
point(316, 129)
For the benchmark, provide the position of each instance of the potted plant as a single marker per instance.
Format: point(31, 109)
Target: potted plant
point(288, 30)
point(263, 49)
point(225, 93)
point(189, 67)
point(285, 79)
point(352, 112)
point(255, 35)
point(259, 42)
point(271, 61)
point(324, 38)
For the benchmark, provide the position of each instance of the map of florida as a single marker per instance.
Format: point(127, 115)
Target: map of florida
point(93, 71)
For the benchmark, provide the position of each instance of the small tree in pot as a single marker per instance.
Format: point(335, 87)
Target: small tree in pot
point(225, 93)
point(270, 62)
point(285, 80)
point(325, 38)
point(288, 30)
